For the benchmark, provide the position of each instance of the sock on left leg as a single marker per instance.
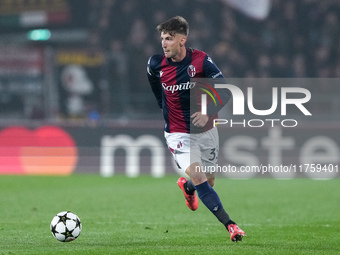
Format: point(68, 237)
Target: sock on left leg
point(189, 187)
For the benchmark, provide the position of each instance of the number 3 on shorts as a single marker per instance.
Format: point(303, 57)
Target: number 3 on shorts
point(213, 154)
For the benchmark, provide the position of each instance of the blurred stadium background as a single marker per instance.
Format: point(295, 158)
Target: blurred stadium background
point(73, 74)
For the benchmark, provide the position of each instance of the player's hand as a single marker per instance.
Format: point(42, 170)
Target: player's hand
point(199, 120)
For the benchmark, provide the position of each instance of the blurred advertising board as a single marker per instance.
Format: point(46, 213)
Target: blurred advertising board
point(21, 81)
point(310, 151)
point(79, 74)
point(16, 15)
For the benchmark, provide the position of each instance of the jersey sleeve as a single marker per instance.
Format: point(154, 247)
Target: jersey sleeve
point(213, 72)
point(154, 80)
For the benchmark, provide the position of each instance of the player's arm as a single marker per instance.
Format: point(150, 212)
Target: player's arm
point(213, 72)
point(154, 81)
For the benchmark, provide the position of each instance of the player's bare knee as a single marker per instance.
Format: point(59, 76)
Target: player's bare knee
point(195, 171)
point(195, 174)
point(198, 181)
point(211, 182)
point(197, 178)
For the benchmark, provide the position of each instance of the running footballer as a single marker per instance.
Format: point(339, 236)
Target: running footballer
point(188, 135)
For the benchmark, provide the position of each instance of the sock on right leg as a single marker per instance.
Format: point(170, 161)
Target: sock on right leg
point(212, 201)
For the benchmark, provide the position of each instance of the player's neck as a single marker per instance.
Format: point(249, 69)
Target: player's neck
point(180, 56)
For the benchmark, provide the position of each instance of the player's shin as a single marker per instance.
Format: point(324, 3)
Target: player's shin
point(211, 200)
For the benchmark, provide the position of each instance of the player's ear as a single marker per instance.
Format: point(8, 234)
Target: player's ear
point(183, 40)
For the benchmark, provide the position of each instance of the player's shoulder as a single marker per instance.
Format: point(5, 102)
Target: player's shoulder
point(205, 58)
point(155, 60)
point(198, 53)
point(209, 67)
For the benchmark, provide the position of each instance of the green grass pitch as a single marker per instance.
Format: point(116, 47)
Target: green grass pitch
point(146, 215)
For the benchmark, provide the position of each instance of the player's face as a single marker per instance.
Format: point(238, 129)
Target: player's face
point(173, 45)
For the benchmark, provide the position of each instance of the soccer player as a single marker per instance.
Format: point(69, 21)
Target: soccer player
point(169, 75)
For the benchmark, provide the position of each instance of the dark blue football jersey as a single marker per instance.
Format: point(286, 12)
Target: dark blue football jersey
point(170, 82)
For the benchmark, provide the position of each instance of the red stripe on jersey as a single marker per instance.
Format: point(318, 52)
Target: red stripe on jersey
point(197, 62)
point(175, 115)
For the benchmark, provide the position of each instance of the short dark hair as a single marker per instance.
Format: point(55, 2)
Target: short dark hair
point(175, 25)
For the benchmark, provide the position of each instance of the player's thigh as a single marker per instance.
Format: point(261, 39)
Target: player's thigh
point(209, 145)
point(184, 153)
point(209, 167)
point(209, 152)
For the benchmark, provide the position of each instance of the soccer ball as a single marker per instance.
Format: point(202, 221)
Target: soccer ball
point(65, 226)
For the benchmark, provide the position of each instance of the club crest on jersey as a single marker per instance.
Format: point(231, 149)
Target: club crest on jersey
point(191, 71)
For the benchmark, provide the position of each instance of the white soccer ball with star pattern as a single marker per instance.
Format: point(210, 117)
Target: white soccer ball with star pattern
point(65, 226)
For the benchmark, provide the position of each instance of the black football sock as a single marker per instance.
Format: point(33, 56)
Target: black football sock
point(229, 223)
point(189, 187)
point(212, 201)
